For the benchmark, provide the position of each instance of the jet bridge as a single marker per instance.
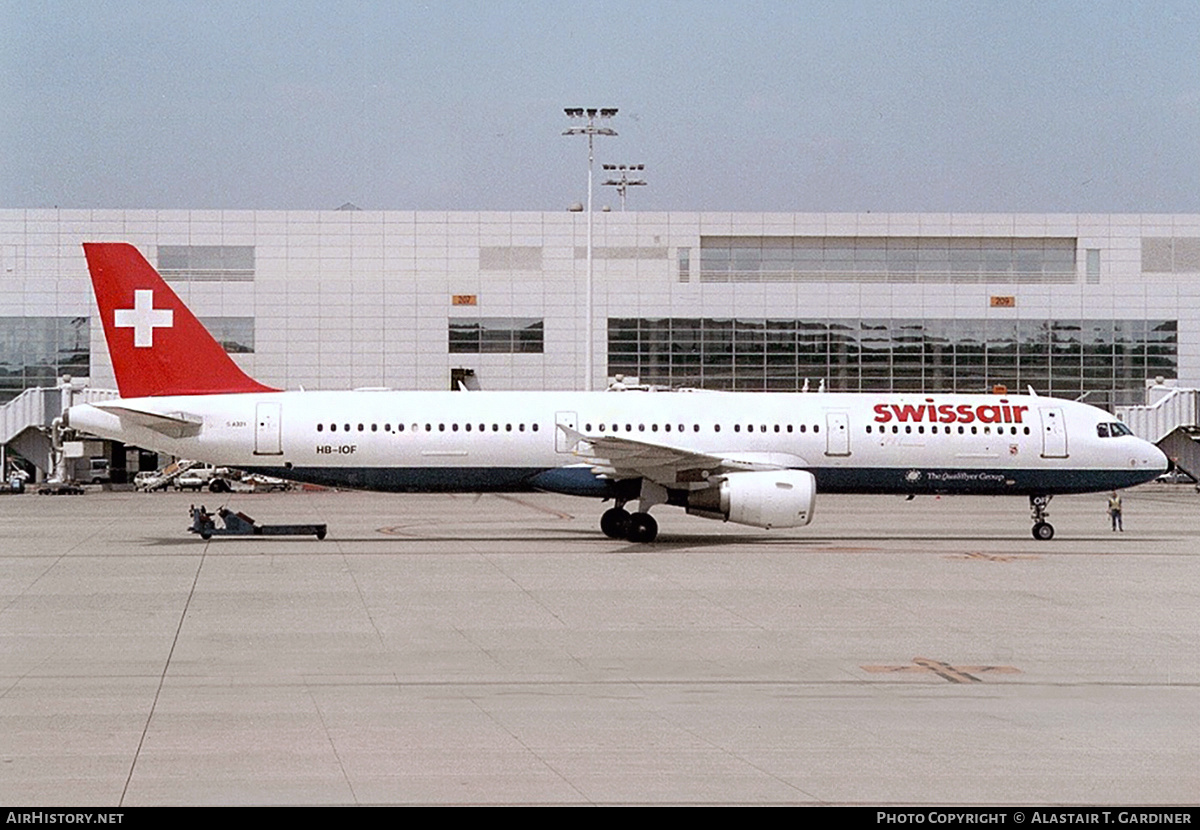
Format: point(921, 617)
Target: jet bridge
point(1171, 420)
point(28, 422)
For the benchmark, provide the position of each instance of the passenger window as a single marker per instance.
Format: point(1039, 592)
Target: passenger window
point(535, 427)
point(520, 427)
point(374, 427)
point(320, 427)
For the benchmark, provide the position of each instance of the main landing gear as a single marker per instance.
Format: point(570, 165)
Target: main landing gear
point(1043, 531)
point(619, 523)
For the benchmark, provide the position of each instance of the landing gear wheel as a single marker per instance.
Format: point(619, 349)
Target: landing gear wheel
point(642, 528)
point(614, 523)
point(1043, 531)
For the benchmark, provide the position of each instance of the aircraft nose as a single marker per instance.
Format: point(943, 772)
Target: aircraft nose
point(1156, 459)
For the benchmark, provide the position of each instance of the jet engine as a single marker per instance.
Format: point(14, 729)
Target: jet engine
point(770, 498)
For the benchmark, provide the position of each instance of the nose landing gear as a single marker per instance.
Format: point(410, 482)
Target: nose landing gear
point(1043, 531)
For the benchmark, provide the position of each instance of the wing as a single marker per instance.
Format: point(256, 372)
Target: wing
point(623, 458)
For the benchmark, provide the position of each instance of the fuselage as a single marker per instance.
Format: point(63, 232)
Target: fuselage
point(511, 441)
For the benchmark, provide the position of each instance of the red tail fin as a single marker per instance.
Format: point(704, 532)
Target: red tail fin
point(158, 347)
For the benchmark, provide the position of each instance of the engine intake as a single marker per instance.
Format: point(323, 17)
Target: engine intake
point(770, 498)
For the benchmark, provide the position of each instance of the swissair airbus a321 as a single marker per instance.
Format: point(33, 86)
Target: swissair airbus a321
point(753, 458)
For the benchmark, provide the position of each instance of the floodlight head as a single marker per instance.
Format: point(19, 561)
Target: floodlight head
point(608, 113)
point(573, 112)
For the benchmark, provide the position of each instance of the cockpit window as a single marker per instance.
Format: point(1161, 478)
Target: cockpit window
point(1102, 430)
point(1113, 430)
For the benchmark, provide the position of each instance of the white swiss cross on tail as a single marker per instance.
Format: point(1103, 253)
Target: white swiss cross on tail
point(143, 318)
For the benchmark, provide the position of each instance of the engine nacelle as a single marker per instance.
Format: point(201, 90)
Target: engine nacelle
point(770, 498)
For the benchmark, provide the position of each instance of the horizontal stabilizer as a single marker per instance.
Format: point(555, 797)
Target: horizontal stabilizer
point(171, 424)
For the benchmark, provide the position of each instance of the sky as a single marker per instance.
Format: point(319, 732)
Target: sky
point(848, 105)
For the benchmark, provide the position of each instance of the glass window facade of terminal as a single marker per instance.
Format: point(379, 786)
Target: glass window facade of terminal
point(35, 351)
point(1108, 360)
point(496, 335)
point(235, 334)
point(886, 259)
point(206, 263)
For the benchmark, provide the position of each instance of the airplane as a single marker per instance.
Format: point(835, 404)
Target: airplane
point(754, 458)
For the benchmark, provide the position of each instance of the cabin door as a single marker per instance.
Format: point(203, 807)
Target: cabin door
point(267, 437)
point(1054, 433)
point(837, 433)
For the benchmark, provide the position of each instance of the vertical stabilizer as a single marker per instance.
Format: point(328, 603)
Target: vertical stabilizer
point(158, 347)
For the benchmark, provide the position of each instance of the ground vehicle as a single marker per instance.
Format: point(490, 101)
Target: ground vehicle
point(98, 471)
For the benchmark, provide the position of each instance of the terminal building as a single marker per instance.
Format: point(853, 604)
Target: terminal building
point(1084, 306)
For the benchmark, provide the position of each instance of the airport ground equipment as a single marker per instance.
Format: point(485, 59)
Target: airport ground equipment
point(239, 524)
point(58, 488)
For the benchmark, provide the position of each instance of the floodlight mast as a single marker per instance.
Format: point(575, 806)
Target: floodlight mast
point(623, 183)
point(591, 130)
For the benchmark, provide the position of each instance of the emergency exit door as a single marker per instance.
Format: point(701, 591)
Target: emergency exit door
point(561, 442)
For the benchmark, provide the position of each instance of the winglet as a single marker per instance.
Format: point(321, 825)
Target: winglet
point(158, 347)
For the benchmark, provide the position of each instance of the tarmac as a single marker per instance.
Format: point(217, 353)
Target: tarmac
point(500, 650)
